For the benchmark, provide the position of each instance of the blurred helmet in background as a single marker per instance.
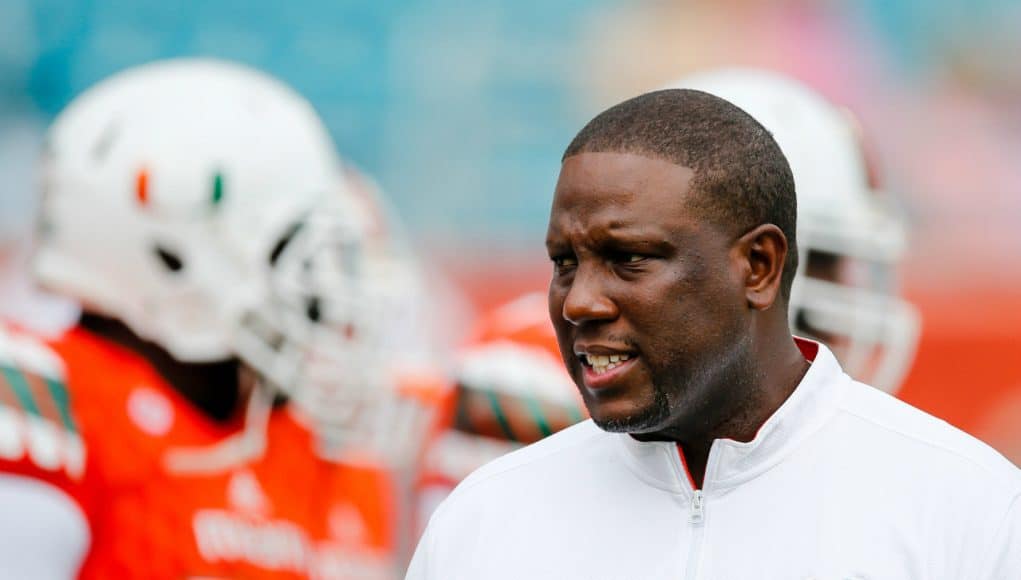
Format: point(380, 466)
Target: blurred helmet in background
point(156, 182)
point(340, 329)
point(849, 238)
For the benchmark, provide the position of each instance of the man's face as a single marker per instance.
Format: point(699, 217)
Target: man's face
point(646, 298)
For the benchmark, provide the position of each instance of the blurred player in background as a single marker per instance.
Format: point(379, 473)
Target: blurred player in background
point(198, 212)
point(511, 380)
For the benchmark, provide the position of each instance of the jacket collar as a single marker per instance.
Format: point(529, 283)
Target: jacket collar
point(732, 463)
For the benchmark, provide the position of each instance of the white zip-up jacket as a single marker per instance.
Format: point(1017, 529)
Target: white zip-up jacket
point(842, 482)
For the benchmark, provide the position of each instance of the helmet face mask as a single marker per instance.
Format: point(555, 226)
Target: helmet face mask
point(845, 293)
point(853, 308)
point(328, 332)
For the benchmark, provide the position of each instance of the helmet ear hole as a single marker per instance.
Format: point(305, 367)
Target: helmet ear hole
point(170, 260)
point(313, 309)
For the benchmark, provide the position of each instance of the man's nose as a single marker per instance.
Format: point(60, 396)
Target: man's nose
point(587, 300)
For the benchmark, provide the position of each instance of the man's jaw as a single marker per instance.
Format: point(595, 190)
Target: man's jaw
point(648, 416)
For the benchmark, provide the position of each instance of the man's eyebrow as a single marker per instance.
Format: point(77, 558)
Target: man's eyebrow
point(636, 240)
point(632, 230)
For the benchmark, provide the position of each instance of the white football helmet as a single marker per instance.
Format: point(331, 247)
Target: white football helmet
point(156, 181)
point(849, 238)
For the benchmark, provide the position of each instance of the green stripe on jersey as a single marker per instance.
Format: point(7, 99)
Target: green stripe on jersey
point(575, 414)
point(501, 418)
point(59, 393)
point(537, 415)
point(21, 389)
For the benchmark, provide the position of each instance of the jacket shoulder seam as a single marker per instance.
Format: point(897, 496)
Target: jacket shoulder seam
point(472, 483)
point(935, 445)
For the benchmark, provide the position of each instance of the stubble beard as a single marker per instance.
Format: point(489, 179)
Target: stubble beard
point(648, 418)
point(698, 392)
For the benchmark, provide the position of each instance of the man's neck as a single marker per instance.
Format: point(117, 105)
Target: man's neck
point(776, 382)
point(212, 387)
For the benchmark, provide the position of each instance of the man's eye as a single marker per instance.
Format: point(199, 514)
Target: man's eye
point(630, 259)
point(561, 262)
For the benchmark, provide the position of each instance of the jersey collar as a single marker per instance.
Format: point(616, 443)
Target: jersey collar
point(732, 463)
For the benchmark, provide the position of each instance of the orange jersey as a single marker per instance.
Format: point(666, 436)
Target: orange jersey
point(99, 422)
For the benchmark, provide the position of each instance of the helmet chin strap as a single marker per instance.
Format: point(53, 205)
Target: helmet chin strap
point(234, 451)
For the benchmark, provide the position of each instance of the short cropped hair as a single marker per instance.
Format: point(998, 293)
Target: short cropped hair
point(741, 177)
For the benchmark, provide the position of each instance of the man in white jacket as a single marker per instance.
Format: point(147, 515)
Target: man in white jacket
point(720, 447)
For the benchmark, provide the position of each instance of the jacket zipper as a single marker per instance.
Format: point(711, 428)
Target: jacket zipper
point(696, 517)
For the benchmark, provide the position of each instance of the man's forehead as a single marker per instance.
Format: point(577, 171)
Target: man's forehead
point(621, 222)
point(611, 224)
point(619, 177)
point(609, 218)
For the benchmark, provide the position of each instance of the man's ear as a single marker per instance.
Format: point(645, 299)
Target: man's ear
point(763, 251)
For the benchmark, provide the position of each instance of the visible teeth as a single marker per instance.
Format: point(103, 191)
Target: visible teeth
point(601, 363)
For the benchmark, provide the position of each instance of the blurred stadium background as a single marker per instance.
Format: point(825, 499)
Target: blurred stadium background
point(461, 110)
